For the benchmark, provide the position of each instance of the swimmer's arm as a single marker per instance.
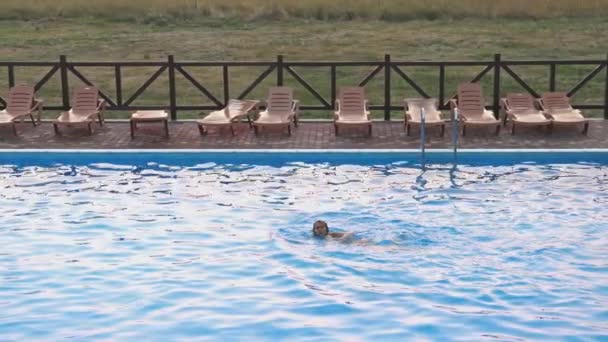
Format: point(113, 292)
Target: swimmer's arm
point(348, 235)
point(342, 235)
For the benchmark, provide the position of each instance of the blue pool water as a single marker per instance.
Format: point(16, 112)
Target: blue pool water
point(217, 246)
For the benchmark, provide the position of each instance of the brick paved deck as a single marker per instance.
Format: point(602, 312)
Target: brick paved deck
point(310, 135)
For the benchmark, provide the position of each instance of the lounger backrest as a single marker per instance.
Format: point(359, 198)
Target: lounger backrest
point(352, 100)
point(470, 99)
point(85, 100)
point(20, 100)
point(556, 102)
point(280, 100)
point(520, 102)
point(415, 106)
point(239, 107)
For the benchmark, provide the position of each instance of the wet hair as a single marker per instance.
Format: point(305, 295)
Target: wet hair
point(320, 223)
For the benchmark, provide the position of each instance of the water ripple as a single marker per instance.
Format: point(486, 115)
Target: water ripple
point(223, 252)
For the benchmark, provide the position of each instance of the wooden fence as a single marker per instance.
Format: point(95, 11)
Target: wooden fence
point(387, 69)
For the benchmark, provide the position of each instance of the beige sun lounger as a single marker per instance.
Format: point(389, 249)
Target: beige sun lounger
point(557, 106)
point(471, 108)
point(520, 109)
point(20, 105)
point(352, 109)
point(148, 117)
point(233, 113)
point(432, 115)
point(86, 107)
point(281, 110)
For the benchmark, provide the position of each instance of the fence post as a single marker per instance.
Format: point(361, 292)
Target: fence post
point(11, 76)
point(552, 72)
point(441, 85)
point(226, 82)
point(118, 81)
point(172, 92)
point(606, 92)
point(497, 67)
point(387, 87)
point(333, 86)
point(280, 70)
point(65, 87)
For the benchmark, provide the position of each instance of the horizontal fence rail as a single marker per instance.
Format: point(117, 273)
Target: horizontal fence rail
point(387, 70)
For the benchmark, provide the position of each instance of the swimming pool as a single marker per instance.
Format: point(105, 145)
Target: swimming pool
point(217, 246)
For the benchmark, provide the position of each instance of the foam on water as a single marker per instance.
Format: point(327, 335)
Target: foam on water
point(155, 251)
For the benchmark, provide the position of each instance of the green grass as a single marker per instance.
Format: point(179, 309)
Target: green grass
point(391, 10)
point(213, 39)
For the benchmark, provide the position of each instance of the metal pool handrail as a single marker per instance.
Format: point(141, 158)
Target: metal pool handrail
point(455, 132)
point(422, 131)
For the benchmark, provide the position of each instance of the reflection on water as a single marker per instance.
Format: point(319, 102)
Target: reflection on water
point(218, 251)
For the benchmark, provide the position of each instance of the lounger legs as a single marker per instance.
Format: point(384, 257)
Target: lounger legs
point(407, 129)
point(100, 118)
point(586, 128)
point(90, 128)
point(165, 128)
point(442, 131)
point(258, 129)
point(548, 128)
point(337, 129)
point(496, 132)
point(33, 120)
point(202, 130)
point(15, 129)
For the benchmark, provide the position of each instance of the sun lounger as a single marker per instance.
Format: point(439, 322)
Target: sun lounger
point(471, 108)
point(148, 117)
point(520, 109)
point(234, 112)
point(352, 109)
point(86, 107)
point(557, 106)
point(432, 117)
point(21, 104)
point(281, 110)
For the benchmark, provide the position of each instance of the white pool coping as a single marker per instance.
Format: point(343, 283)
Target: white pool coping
point(279, 151)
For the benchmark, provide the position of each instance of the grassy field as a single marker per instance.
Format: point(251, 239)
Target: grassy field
point(213, 39)
point(308, 9)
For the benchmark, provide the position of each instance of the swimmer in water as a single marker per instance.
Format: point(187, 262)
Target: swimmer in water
point(320, 229)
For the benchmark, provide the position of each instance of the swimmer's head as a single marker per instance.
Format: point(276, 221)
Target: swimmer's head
point(320, 228)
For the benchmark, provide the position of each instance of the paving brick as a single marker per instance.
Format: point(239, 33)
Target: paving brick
point(309, 135)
